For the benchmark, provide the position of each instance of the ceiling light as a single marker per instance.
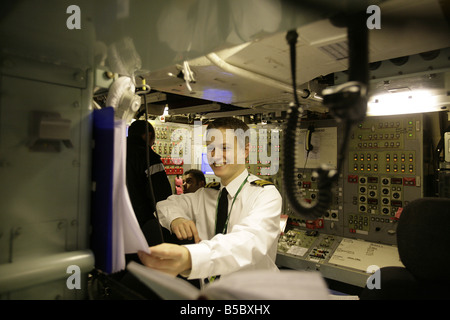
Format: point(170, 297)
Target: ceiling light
point(406, 102)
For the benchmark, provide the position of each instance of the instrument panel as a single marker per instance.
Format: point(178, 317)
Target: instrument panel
point(382, 172)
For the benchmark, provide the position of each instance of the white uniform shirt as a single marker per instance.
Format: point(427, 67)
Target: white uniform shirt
point(253, 227)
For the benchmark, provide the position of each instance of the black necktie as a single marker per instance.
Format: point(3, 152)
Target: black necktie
point(222, 211)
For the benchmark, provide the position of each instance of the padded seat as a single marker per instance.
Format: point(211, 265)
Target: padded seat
point(423, 240)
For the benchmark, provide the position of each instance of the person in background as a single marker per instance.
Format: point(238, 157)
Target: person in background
point(137, 171)
point(193, 180)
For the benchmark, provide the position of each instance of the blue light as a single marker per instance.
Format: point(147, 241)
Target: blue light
point(218, 95)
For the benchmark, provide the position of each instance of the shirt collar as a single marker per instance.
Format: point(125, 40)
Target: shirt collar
point(234, 185)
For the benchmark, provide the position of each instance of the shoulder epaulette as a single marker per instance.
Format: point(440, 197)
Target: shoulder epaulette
point(213, 185)
point(262, 183)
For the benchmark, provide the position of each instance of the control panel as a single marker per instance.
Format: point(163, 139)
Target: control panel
point(337, 258)
point(307, 189)
point(299, 242)
point(384, 171)
point(317, 143)
point(265, 153)
point(172, 142)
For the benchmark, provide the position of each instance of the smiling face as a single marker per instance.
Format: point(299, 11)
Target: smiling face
point(226, 155)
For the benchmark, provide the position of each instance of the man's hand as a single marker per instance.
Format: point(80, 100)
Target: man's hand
point(185, 229)
point(168, 258)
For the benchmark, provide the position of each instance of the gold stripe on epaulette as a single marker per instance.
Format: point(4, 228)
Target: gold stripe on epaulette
point(262, 183)
point(213, 185)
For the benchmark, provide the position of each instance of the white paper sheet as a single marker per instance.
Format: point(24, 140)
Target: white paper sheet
point(360, 254)
point(243, 285)
point(127, 235)
point(166, 286)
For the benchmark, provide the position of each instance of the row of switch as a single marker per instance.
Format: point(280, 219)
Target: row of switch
point(258, 162)
point(381, 136)
point(381, 145)
point(364, 221)
point(165, 133)
point(166, 148)
point(262, 148)
point(385, 190)
point(395, 168)
point(385, 181)
point(174, 170)
point(172, 161)
point(319, 253)
point(161, 133)
point(356, 224)
point(373, 209)
point(395, 157)
point(385, 125)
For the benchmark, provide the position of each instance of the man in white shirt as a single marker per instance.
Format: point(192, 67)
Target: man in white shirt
point(248, 238)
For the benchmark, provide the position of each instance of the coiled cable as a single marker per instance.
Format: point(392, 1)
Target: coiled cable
point(347, 103)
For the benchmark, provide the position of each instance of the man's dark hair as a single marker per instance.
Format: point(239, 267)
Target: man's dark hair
point(138, 128)
point(228, 123)
point(197, 174)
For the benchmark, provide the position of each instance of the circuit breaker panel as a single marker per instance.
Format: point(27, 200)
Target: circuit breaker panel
point(383, 173)
point(173, 142)
point(264, 154)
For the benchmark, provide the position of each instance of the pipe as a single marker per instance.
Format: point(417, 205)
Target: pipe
point(37, 271)
point(219, 62)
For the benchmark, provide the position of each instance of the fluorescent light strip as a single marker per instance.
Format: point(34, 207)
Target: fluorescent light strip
point(405, 102)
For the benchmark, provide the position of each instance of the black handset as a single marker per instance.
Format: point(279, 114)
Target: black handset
point(308, 145)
